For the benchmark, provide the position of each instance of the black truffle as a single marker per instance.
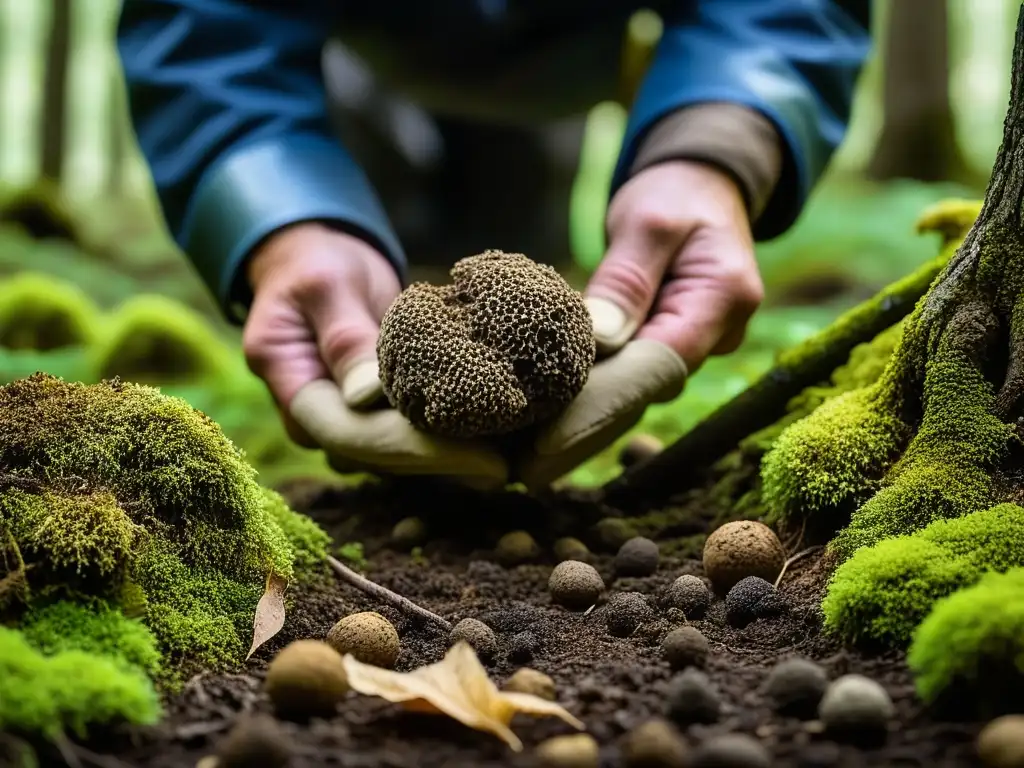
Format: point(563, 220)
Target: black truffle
point(637, 557)
point(625, 612)
point(752, 598)
point(690, 595)
point(685, 647)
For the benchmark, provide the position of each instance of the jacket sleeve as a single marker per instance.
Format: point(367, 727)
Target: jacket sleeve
point(795, 62)
point(229, 108)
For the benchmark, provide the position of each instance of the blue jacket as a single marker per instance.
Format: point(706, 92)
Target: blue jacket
point(229, 106)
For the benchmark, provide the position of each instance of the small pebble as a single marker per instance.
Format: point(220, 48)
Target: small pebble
point(795, 687)
point(408, 532)
point(692, 698)
point(577, 750)
point(639, 448)
point(855, 704)
point(655, 743)
point(522, 647)
point(752, 598)
point(625, 612)
point(731, 750)
point(690, 595)
point(368, 636)
point(637, 557)
point(613, 532)
point(739, 549)
point(685, 647)
point(1001, 743)
point(516, 548)
point(306, 679)
point(568, 548)
point(575, 585)
point(526, 680)
point(478, 635)
point(255, 741)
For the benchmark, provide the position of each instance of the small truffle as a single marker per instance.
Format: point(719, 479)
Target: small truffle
point(478, 635)
point(522, 647)
point(625, 612)
point(577, 750)
point(637, 557)
point(731, 750)
point(368, 636)
point(568, 548)
point(685, 647)
point(526, 680)
point(740, 549)
point(655, 743)
point(515, 548)
point(613, 532)
point(690, 595)
point(408, 532)
point(255, 741)
point(639, 448)
point(854, 704)
point(692, 698)
point(575, 585)
point(306, 679)
point(795, 687)
point(752, 598)
point(1001, 742)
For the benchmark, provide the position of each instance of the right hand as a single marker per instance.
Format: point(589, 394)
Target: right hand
point(311, 335)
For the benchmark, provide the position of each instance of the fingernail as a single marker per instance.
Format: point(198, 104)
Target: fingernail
point(612, 326)
point(361, 385)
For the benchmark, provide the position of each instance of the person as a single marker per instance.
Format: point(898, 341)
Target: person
point(734, 121)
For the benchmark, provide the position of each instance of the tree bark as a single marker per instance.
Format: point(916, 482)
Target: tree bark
point(55, 91)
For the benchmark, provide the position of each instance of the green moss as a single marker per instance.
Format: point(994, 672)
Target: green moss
point(152, 339)
point(41, 313)
point(971, 646)
point(881, 594)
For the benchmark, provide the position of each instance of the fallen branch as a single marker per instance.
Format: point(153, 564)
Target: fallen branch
point(793, 559)
point(382, 593)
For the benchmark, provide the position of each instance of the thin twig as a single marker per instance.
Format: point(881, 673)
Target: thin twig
point(793, 559)
point(382, 593)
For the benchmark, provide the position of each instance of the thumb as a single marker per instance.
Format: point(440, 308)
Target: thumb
point(346, 334)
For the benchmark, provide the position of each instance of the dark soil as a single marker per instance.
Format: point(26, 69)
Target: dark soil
point(611, 684)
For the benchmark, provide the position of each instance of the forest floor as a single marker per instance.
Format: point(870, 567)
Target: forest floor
point(611, 684)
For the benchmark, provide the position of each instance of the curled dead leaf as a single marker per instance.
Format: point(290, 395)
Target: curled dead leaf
point(457, 686)
point(269, 612)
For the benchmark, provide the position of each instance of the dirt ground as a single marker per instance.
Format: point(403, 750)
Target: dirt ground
point(611, 684)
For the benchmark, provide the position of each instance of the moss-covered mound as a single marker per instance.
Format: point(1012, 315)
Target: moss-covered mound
point(38, 312)
point(133, 531)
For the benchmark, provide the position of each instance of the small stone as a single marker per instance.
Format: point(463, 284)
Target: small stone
point(690, 595)
point(731, 750)
point(1001, 743)
point(855, 704)
point(577, 750)
point(408, 532)
point(306, 679)
point(526, 680)
point(368, 636)
point(637, 557)
point(255, 741)
point(655, 743)
point(568, 548)
point(739, 549)
point(685, 647)
point(478, 635)
point(692, 698)
point(613, 532)
point(516, 548)
point(625, 612)
point(752, 598)
point(638, 448)
point(575, 585)
point(795, 687)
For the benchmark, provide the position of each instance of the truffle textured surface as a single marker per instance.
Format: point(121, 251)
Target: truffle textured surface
point(509, 343)
point(752, 598)
point(739, 549)
point(625, 612)
point(368, 636)
point(478, 635)
point(685, 647)
point(575, 585)
point(689, 594)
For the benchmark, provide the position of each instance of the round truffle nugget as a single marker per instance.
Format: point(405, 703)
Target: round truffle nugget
point(478, 635)
point(575, 585)
point(368, 636)
point(637, 557)
point(306, 679)
point(740, 549)
point(526, 680)
point(509, 343)
point(688, 594)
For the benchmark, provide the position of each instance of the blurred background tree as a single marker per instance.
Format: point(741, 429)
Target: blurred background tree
point(83, 249)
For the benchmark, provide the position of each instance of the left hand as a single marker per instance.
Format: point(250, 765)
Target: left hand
point(678, 283)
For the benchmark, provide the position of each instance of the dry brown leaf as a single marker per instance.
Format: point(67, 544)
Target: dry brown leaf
point(457, 686)
point(269, 612)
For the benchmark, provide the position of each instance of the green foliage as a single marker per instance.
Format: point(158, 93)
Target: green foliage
point(352, 553)
point(37, 313)
point(881, 594)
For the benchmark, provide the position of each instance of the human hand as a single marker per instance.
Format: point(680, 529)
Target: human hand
point(678, 284)
point(311, 335)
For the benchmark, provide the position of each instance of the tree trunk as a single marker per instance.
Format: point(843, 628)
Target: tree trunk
point(55, 90)
point(918, 139)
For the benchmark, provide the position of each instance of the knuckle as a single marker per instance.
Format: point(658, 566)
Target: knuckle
point(630, 281)
point(747, 291)
point(338, 341)
point(662, 223)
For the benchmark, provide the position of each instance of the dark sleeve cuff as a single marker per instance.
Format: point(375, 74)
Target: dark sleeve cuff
point(734, 138)
point(268, 184)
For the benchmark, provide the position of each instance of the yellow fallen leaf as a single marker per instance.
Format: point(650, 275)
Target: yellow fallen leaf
point(457, 686)
point(269, 612)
